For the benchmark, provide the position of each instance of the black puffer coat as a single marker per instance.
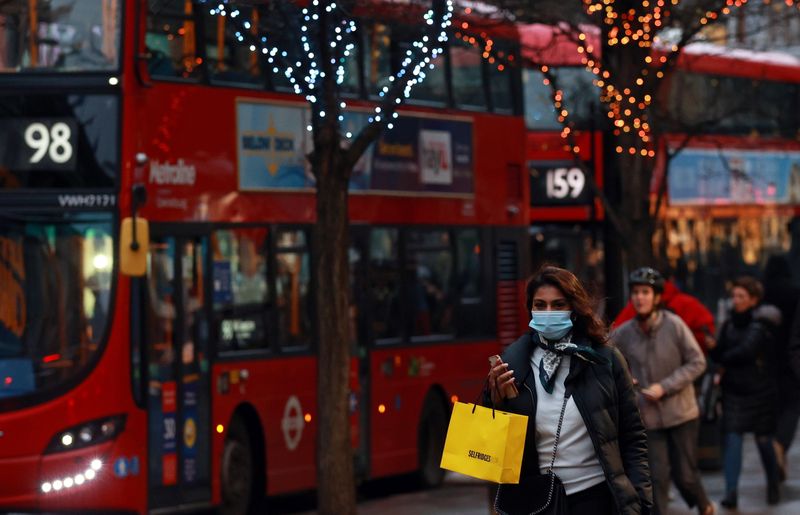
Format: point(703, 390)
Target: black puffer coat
point(746, 350)
point(606, 400)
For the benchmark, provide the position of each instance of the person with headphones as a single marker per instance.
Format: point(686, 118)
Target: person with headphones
point(665, 359)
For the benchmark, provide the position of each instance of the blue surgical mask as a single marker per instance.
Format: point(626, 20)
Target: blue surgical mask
point(553, 325)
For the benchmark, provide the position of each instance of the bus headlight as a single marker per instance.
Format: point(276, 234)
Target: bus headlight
point(86, 434)
point(70, 481)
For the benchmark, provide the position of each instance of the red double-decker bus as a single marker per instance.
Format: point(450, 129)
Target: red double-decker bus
point(729, 123)
point(733, 183)
point(565, 217)
point(195, 384)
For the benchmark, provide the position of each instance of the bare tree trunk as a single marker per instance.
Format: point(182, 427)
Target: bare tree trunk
point(640, 251)
point(336, 486)
point(636, 174)
point(635, 171)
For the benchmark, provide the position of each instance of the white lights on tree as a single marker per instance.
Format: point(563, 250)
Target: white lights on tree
point(304, 73)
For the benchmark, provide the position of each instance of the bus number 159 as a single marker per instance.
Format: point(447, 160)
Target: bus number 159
point(562, 182)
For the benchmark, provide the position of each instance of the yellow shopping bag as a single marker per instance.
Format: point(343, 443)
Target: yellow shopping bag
point(485, 443)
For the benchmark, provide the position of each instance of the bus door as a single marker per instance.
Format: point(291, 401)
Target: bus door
point(177, 371)
point(575, 247)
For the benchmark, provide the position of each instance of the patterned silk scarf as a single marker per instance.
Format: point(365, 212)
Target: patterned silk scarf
point(554, 351)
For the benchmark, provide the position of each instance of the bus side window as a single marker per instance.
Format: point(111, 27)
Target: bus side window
point(384, 286)
point(170, 40)
point(430, 257)
point(292, 289)
point(501, 79)
point(433, 90)
point(240, 289)
point(470, 283)
point(468, 87)
point(578, 90)
point(160, 321)
point(227, 59)
point(468, 247)
point(377, 57)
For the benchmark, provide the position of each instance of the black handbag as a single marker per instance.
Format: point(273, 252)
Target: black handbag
point(709, 398)
point(542, 494)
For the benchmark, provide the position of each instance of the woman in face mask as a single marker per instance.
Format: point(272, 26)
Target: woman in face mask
point(580, 401)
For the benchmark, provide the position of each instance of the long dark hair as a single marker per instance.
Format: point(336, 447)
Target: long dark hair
point(585, 321)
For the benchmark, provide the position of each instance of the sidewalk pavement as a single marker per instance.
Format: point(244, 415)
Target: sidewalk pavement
point(752, 486)
point(466, 496)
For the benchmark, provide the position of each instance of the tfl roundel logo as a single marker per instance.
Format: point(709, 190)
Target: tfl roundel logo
point(292, 423)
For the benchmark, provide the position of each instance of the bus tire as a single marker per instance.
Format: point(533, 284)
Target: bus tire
point(238, 472)
point(432, 432)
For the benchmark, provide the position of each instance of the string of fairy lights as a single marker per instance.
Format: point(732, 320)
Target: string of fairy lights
point(627, 101)
point(481, 40)
point(305, 73)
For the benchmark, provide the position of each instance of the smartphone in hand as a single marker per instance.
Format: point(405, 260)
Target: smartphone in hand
point(511, 389)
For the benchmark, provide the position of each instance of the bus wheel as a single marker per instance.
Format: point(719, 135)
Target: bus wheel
point(432, 432)
point(238, 471)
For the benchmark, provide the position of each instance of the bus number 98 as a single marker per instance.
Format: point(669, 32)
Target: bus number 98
point(54, 142)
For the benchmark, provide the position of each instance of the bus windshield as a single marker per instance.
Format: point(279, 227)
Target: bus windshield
point(59, 35)
point(55, 289)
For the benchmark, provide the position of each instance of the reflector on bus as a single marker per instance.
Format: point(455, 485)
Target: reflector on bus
point(134, 236)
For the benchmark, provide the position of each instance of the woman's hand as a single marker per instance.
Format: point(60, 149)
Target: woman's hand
point(500, 379)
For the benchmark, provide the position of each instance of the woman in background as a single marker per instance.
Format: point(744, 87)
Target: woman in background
point(745, 349)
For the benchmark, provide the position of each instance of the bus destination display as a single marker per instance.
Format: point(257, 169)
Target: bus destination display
point(38, 144)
